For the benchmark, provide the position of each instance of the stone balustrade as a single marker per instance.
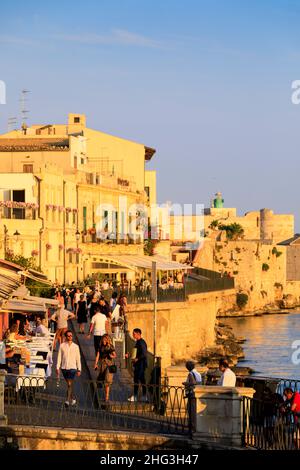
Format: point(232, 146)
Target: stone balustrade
point(217, 414)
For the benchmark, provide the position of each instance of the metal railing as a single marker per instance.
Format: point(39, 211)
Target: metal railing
point(267, 424)
point(40, 402)
point(140, 296)
point(18, 213)
point(266, 427)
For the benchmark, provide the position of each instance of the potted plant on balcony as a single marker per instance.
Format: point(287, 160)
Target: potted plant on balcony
point(34, 252)
point(60, 246)
point(48, 246)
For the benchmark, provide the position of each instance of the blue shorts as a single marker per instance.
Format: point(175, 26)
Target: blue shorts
point(69, 374)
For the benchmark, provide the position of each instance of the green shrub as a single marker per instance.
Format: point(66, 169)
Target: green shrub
point(233, 231)
point(214, 224)
point(241, 299)
point(265, 267)
point(276, 252)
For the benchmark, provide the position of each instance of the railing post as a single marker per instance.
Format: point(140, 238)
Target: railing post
point(219, 414)
point(3, 418)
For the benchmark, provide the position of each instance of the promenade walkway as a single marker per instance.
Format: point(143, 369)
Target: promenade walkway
point(121, 380)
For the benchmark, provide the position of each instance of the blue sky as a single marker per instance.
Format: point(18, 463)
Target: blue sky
point(207, 83)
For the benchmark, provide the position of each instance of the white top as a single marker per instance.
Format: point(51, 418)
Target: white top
point(61, 316)
point(196, 376)
point(77, 297)
point(99, 320)
point(116, 313)
point(42, 331)
point(228, 379)
point(68, 357)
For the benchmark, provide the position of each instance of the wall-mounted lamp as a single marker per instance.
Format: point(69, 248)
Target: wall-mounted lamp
point(16, 235)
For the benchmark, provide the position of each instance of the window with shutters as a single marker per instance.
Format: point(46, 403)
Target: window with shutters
point(28, 168)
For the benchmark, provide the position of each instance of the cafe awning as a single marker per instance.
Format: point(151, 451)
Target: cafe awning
point(23, 306)
point(22, 293)
point(135, 262)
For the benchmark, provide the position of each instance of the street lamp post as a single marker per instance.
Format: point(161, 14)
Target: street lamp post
point(77, 235)
point(5, 240)
point(154, 298)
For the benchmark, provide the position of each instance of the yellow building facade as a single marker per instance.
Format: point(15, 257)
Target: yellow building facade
point(261, 225)
point(70, 194)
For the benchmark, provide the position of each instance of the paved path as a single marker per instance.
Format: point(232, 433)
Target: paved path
point(122, 386)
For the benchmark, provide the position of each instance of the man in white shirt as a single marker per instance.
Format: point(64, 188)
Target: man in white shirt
point(99, 325)
point(40, 329)
point(69, 362)
point(228, 378)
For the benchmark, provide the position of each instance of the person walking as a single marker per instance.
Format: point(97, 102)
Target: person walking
point(105, 359)
point(93, 305)
point(98, 325)
point(71, 295)
point(105, 309)
point(61, 318)
point(113, 301)
point(228, 377)
point(76, 299)
point(123, 324)
point(139, 365)
point(69, 362)
point(81, 314)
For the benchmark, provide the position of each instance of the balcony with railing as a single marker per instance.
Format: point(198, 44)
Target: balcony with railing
point(110, 181)
point(18, 210)
point(118, 239)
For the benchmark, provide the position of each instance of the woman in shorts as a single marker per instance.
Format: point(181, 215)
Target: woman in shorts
point(105, 359)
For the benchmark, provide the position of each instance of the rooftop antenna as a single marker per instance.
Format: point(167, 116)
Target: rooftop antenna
point(24, 111)
point(11, 124)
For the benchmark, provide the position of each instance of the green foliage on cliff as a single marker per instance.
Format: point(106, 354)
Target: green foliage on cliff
point(276, 252)
point(241, 299)
point(214, 224)
point(265, 267)
point(233, 231)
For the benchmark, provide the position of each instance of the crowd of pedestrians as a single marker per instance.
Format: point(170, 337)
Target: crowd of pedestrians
point(106, 322)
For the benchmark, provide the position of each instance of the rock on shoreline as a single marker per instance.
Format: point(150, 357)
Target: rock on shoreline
point(226, 346)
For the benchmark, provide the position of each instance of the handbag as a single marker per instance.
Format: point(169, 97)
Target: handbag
point(112, 369)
